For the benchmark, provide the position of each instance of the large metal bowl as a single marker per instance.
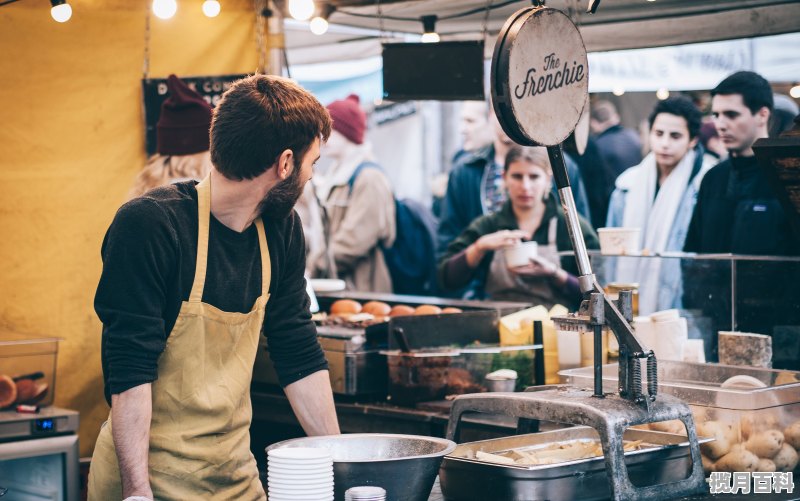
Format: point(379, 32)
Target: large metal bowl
point(404, 465)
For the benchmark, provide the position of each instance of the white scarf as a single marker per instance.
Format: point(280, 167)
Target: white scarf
point(655, 215)
point(340, 172)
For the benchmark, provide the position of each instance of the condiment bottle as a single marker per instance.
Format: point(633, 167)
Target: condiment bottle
point(365, 493)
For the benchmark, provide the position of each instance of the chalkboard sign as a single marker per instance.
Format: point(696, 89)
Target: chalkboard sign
point(444, 71)
point(155, 93)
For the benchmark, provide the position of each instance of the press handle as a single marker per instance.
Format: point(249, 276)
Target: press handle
point(516, 405)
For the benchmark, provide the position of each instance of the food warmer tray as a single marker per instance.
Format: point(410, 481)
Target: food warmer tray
point(465, 479)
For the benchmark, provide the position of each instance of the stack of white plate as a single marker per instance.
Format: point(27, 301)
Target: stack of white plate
point(300, 474)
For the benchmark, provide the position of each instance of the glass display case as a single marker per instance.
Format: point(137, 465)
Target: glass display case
point(715, 292)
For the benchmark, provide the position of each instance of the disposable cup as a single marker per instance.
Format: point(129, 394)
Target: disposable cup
point(619, 241)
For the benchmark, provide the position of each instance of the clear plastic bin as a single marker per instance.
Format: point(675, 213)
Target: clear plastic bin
point(31, 363)
point(743, 406)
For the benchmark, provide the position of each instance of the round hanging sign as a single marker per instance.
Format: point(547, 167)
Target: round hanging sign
point(579, 138)
point(540, 76)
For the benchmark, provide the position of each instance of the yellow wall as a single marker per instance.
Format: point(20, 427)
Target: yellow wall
point(71, 142)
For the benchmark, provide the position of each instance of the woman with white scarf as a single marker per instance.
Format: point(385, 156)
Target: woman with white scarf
point(658, 196)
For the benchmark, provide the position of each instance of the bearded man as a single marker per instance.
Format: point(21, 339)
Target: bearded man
point(192, 275)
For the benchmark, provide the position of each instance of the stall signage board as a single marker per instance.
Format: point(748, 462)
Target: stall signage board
point(155, 92)
point(540, 76)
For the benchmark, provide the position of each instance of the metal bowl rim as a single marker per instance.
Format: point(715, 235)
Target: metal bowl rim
point(450, 446)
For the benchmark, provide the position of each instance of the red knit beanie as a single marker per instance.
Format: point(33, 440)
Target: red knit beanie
point(183, 126)
point(348, 118)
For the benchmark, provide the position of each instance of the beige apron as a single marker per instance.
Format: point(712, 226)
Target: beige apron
point(504, 285)
point(199, 433)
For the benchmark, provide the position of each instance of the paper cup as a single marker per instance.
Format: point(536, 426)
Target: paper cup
point(622, 241)
point(521, 254)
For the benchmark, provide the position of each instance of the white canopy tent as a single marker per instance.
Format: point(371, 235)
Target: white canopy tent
point(683, 67)
point(347, 58)
point(356, 30)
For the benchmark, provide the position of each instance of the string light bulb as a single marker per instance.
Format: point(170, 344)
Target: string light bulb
point(795, 92)
point(618, 91)
point(302, 10)
point(319, 24)
point(60, 11)
point(165, 9)
point(211, 8)
point(662, 93)
point(429, 34)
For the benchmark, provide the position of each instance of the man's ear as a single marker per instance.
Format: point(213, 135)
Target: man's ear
point(285, 164)
point(764, 114)
point(693, 142)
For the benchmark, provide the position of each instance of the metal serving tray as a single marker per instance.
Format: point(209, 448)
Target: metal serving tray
point(465, 479)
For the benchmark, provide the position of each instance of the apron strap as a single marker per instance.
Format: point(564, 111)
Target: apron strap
point(203, 220)
point(266, 264)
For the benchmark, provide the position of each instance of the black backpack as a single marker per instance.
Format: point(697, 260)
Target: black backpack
point(412, 258)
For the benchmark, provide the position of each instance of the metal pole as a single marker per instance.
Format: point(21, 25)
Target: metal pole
point(586, 278)
point(598, 360)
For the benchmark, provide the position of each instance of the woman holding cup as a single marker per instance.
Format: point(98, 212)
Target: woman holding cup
point(512, 255)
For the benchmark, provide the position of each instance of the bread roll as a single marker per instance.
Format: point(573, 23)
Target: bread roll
point(451, 309)
point(792, 434)
point(345, 307)
point(786, 458)
point(376, 309)
point(401, 310)
point(8, 391)
point(427, 309)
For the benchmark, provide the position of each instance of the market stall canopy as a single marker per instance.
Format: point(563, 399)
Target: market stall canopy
point(356, 29)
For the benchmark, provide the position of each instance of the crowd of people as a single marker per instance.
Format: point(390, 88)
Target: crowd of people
point(697, 188)
point(194, 272)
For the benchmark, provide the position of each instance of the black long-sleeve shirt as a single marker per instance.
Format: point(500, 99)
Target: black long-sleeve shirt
point(149, 256)
point(737, 211)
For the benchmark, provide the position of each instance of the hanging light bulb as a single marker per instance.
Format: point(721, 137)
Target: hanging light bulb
point(319, 24)
point(60, 11)
point(795, 92)
point(429, 34)
point(165, 9)
point(618, 91)
point(211, 8)
point(662, 93)
point(302, 10)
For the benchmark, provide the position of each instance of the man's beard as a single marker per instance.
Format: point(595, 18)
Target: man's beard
point(281, 199)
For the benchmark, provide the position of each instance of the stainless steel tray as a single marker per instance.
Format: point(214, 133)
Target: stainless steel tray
point(465, 479)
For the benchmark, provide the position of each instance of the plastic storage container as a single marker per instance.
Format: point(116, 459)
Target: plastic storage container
point(31, 363)
point(748, 408)
point(432, 374)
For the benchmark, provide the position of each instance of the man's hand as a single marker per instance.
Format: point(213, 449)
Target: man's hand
point(131, 412)
point(311, 399)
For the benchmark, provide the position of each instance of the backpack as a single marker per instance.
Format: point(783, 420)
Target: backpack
point(412, 257)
